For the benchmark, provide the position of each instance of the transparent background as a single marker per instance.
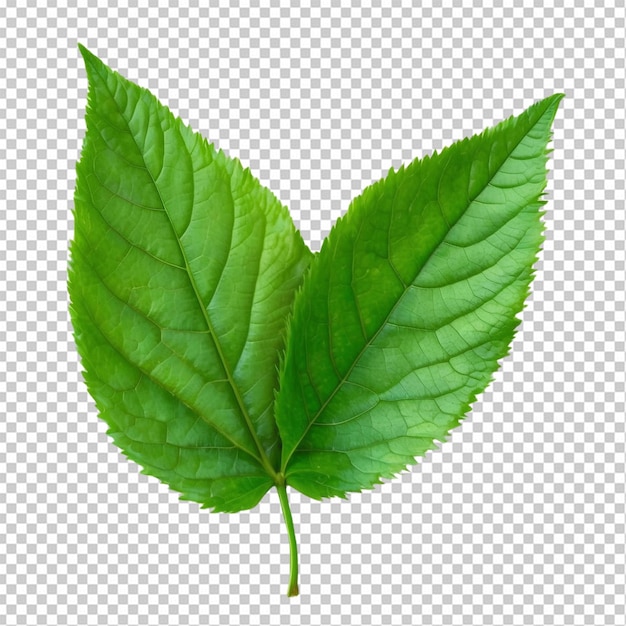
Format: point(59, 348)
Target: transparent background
point(520, 517)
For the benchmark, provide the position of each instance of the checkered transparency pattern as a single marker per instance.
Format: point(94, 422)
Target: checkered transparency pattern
point(519, 518)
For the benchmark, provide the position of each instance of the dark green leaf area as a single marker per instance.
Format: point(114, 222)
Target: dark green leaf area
point(183, 272)
point(410, 304)
point(162, 434)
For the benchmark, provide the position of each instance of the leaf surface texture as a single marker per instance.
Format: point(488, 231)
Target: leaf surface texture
point(183, 272)
point(226, 358)
point(409, 305)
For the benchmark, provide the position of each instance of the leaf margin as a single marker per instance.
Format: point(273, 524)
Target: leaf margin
point(96, 66)
point(551, 104)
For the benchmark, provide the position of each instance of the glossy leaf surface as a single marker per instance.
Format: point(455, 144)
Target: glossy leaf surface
point(409, 305)
point(227, 359)
point(183, 271)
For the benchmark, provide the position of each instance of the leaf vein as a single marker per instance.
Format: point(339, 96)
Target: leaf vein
point(159, 384)
point(368, 343)
point(136, 245)
point(242, 408)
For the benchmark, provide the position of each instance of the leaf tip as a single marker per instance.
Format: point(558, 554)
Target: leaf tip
point(89, 58)
point(549, 105)
point(96, 69)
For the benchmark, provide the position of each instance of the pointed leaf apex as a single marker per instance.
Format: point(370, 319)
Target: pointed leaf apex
point(551, 103)
point(89, 58)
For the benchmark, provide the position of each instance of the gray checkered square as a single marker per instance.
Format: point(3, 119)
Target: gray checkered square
point(520, 518)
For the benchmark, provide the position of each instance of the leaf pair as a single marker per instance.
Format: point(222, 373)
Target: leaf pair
point(226, 358)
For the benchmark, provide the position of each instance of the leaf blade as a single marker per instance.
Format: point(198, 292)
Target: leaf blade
point(182, 275)
point(408, 307)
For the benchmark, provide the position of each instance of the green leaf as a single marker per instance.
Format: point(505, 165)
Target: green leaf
point(408, 307)
point(183, 272)
point(226, 359)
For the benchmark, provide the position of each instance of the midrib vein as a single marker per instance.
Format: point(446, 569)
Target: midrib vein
point(383, 324)
point(267, 466)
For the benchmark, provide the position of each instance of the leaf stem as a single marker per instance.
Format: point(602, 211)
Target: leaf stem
point(293, 546)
